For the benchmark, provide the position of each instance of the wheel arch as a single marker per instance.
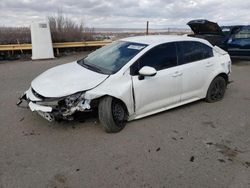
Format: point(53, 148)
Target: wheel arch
point(222, 74)
point(95, 102)
point(216, 92)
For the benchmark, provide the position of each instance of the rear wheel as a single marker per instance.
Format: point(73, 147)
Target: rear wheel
point(112, 114)
point(216, 90)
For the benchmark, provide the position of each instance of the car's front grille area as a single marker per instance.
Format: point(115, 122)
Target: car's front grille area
point(37, 95)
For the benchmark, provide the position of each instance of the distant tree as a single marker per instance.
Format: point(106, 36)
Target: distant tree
point(64, 29)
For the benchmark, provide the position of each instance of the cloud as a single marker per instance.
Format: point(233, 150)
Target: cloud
point(126, 13)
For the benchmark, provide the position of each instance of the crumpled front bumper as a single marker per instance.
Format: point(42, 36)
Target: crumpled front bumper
point(36, 107)
point(53, 109)
point(31, 99)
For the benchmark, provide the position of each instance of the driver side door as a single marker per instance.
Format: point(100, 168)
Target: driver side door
point(155, 93)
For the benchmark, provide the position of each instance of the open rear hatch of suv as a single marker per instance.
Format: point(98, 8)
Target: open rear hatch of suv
point(210, 31)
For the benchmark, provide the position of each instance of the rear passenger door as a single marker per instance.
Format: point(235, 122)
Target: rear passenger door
point(195, 61)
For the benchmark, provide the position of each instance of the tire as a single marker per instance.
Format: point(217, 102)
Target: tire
point(112, 114)
point(216, 90)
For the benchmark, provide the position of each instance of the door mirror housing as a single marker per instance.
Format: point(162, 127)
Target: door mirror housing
point(147, 71)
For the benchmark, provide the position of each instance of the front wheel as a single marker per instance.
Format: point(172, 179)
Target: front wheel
point(112, 114)
point(216, 90)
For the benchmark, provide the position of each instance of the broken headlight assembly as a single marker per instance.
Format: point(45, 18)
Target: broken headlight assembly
point(73, 103)
point(71, 100)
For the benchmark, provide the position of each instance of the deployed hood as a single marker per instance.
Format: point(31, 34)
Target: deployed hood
point(204, 27)
point(65, 80)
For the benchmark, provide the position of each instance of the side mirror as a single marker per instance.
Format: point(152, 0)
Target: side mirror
point(146, 71)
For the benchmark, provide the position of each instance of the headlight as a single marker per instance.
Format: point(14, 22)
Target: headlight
point(72, 99)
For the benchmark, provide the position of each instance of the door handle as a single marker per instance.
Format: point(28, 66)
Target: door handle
point(177, 73)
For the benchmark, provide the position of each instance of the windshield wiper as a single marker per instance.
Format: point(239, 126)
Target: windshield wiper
point(88, 66)
point(94, 68)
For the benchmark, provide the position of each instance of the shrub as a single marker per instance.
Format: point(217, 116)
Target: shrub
point(64, 29)
point(14, 35)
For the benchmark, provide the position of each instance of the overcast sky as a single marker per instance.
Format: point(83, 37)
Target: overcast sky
point(126, 13)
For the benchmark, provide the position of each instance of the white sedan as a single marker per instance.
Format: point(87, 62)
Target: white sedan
point(132, 78)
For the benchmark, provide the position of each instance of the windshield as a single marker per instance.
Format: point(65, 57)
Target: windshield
point(111, 58)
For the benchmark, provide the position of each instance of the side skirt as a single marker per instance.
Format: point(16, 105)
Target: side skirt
point(138, 116)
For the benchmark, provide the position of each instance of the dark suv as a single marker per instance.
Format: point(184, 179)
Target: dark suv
point(234, 39)
point(238, 43)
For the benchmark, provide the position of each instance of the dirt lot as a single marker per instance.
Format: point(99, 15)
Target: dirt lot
point(197, 145)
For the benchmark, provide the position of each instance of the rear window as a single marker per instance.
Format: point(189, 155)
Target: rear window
point(190, 51)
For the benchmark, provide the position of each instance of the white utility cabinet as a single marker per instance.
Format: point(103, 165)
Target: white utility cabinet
point(41, 41)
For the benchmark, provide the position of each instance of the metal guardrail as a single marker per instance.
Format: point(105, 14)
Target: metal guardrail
point(15, 47)
point(20, 47)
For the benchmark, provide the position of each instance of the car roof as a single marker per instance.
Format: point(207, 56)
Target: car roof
point(161, 39)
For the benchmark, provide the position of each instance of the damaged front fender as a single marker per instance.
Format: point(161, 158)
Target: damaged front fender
point(117, 86)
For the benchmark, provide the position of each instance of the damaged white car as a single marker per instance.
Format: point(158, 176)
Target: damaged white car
point(132, 78)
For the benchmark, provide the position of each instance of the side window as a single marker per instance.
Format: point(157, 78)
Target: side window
point(243, 34)
point(190, 51)
point(160, 57)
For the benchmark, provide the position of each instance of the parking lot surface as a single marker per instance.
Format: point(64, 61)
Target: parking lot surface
point(196, 145)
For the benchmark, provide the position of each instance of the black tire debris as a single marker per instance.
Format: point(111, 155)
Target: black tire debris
point(192, 159)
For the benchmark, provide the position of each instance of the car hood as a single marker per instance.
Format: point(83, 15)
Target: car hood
point(204, 27)
point(65, 80)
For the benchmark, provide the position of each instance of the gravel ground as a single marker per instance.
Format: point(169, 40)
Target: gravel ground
point(196, 145)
